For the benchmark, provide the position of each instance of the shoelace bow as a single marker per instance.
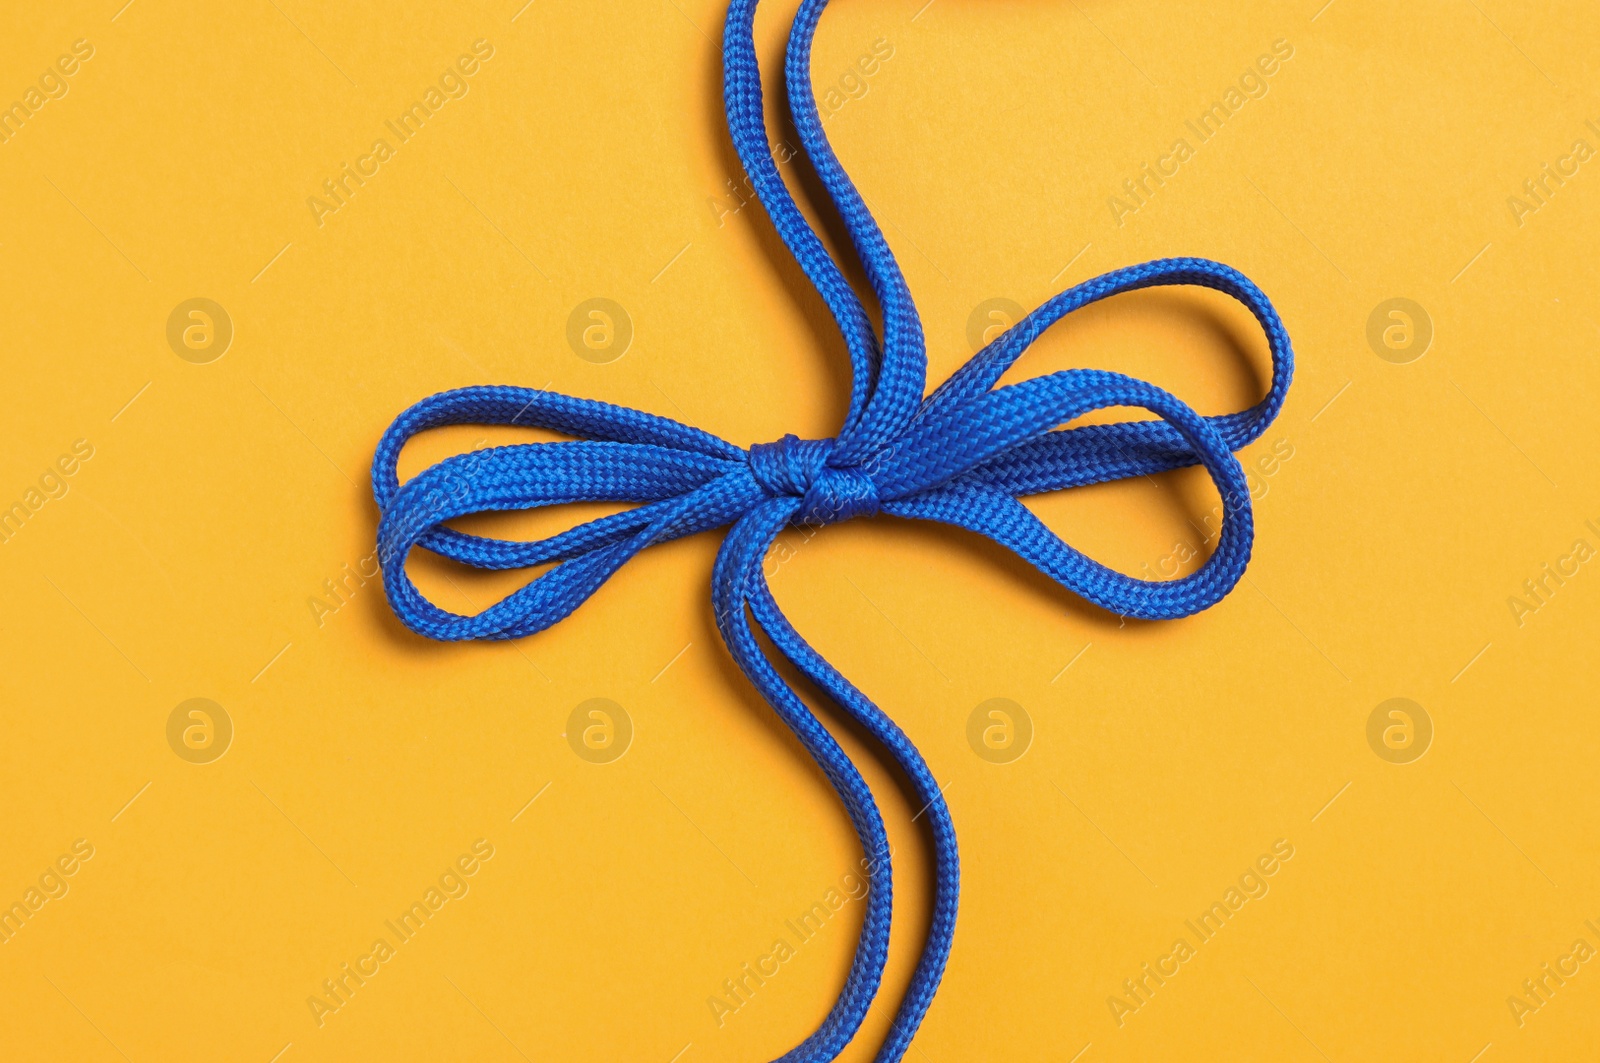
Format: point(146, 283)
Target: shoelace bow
point(961, 456)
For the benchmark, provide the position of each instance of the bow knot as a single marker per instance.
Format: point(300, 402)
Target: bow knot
point(965, 456)
point(800, 468)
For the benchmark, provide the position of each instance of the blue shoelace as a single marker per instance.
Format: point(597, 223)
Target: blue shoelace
point(962, 456)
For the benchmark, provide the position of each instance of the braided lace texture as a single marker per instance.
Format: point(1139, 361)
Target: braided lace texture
point(962, 456)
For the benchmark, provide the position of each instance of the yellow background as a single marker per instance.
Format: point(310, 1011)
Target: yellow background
point(589, 159)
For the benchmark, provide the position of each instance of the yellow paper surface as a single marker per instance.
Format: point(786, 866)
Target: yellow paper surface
point(194, 523)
